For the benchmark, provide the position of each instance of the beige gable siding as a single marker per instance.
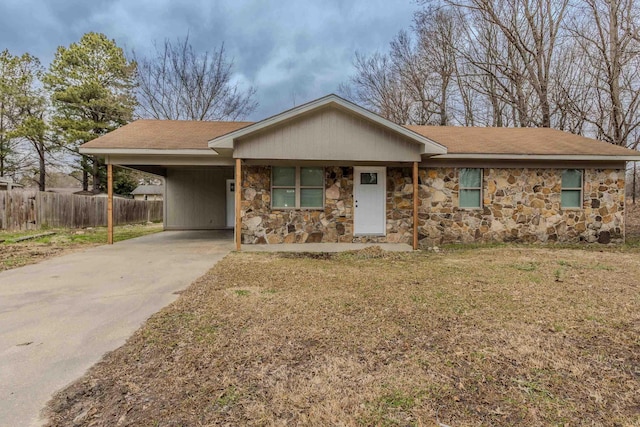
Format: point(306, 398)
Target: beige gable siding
point(331, 135)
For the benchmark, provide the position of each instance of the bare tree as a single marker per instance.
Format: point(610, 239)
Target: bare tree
point(609, 34)
point(376, 86)
point(496, 74)
point(180, 84)
point(531, 28)
point(573, 66)
point(413, 83)
point(570, 90)
point(427, 66)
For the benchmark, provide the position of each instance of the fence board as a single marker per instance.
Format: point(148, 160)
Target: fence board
point(30, 209)
point(18, 211)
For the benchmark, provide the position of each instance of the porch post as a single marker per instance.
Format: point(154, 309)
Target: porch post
point(415, 205)
point(109, 203)
point(238, 194)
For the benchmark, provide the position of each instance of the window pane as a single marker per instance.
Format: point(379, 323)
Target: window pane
point(469, 198)
point(470, 178)
point(571, 199)
point(284, 198)
point(283, 177)
point(572, 178)
point(369, 178)
point(310, 177)
point(311, 197)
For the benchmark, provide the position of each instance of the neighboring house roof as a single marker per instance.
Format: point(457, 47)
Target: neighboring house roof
point(115, 196)
point(9, 183)
point(148, 189)
point(64, 190)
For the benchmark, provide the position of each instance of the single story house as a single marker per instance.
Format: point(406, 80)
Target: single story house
point(148, 192)
point(7, 184)
point(332, 171)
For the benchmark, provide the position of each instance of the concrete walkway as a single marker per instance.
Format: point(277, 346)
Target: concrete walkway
point(325, 247)
point(59, 317)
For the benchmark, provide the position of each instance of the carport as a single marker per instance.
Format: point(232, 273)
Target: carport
point(199, 190)
point(197, 197)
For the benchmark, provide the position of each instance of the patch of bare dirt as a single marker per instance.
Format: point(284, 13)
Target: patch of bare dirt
point(19, 254)
point(62, 241)
point(495, 336)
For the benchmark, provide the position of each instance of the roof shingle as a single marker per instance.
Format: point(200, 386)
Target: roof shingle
point(519, 141)
point(165, 135)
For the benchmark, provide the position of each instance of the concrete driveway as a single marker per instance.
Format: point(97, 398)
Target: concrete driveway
point(59, 317)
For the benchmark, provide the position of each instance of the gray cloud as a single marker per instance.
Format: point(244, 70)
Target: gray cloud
point(292, 51)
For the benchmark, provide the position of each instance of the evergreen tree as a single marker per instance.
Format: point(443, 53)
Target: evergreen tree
point(92, 87)
point(16, 73)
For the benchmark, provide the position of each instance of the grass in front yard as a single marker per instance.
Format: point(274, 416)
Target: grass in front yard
point(15, 254)
point(498, 336)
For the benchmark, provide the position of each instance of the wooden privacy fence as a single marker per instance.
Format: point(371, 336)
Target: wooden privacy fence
point(29, 209)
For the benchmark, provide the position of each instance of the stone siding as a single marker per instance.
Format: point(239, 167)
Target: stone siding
point(334, 223)
point(521, 205)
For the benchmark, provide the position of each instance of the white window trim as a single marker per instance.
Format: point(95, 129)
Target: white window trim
point(297, 187)
point(481, 188)
point(581, 189)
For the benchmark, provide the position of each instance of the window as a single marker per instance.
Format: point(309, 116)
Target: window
point(470, 188)
point(297, 187)
point(369, 178)
point(571, 196)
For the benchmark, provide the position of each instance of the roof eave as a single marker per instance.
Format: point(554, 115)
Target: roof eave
point(148, 151)
point(488, 156)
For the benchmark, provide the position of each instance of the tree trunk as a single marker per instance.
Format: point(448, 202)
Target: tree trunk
point(633, 190)
point(42, 182)
point(96, 175)
point(614, 82)
point(443, 105)
point(544, 106)
point(85, 174)
point(1, 139)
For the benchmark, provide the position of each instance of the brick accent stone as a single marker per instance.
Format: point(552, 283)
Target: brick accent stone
point(521, 205)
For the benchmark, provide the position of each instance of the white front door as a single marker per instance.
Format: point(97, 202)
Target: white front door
point(369, 200)
point(231, 202)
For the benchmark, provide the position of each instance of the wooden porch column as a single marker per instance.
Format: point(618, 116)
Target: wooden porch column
point(109, 203)
point(415, 205)
point(238, 194)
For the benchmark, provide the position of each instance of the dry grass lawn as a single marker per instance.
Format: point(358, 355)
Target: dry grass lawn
point(494, 336)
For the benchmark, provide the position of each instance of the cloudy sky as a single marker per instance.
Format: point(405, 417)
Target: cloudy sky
point(291, 51)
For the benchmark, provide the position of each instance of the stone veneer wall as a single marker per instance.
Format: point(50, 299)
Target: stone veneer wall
point(520, 205)
point(334, 223)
